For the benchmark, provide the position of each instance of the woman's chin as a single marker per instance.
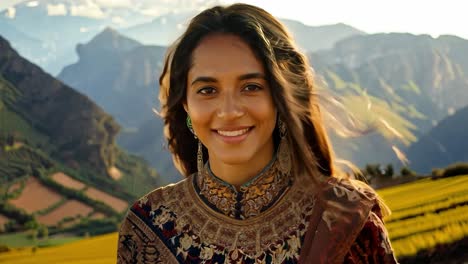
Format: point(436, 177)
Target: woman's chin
point(234, 160)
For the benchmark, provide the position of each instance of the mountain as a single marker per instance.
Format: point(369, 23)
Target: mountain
point(121, 75)
point(443, 145)
point(314, 38)
point(421, 79)
point(96, 75)
point(65, 127)
point(45, 100)
point(429, 73)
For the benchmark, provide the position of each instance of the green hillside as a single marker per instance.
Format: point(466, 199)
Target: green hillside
point(49, 129)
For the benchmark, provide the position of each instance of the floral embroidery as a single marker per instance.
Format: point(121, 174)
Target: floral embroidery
point(162, 216)
point(251, 199)
point(207, 252)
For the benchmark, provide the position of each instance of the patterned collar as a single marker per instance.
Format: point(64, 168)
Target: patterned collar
point(252, 198)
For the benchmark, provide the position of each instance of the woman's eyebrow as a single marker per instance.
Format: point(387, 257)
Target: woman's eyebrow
point(204, 79)
point(253, 75)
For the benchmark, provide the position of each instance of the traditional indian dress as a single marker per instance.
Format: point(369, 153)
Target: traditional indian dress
point(274, 218)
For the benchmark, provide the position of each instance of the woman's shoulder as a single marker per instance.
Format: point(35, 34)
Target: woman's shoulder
point(161, 197)
point(345, 194)
point(350, 210)
point(354, 191)
point(139, 229)
point(351, 185)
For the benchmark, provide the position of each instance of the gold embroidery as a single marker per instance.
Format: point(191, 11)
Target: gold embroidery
point(251, 199)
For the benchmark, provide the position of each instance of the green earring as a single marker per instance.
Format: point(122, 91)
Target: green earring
point(188, 122)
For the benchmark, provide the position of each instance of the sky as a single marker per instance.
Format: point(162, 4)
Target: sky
point(433, 17)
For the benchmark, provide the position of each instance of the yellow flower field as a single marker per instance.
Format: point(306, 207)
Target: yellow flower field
point(427, 213)
point(96, 250)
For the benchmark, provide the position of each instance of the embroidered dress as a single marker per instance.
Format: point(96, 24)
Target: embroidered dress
point(203, 219)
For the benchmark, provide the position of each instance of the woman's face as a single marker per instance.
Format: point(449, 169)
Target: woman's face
point(229, 101)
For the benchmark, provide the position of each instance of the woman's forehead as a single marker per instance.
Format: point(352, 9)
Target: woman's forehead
point(220, 54)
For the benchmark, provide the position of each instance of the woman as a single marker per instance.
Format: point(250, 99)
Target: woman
point(244, 125)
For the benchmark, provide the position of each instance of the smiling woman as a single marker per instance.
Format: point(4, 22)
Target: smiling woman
point(243, 123)
point(230, 107)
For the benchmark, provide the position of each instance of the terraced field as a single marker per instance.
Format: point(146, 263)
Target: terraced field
point(425, 213)
point(35, 196)
point(67, 181)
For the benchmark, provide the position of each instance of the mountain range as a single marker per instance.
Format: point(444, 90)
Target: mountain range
point(421, 80)
point(47, 31)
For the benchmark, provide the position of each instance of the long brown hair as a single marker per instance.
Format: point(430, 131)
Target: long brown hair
point(288, 73)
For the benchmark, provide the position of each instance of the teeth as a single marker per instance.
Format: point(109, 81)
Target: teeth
point(233, 133)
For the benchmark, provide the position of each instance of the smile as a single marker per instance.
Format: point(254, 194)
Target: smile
point(233, 133)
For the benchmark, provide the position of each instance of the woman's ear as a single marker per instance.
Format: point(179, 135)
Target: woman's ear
point(185, 106)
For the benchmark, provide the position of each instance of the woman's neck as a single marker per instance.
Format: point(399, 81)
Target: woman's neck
point(239, 174)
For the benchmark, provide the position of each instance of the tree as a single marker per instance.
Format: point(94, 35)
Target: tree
point(389, 171)
point(44, 232)
point(405, 171)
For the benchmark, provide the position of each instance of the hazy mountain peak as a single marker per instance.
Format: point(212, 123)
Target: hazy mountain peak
point(109, 41)
point(111, 36)
point(295, 23)
point(313, 38)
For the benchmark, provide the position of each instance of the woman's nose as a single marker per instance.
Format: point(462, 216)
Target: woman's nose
point(230, 107)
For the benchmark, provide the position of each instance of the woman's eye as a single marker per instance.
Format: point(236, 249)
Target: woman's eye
point(252, 87)
point(206, 90)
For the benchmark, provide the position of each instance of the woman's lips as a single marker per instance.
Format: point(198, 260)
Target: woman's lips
point(233, 135)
